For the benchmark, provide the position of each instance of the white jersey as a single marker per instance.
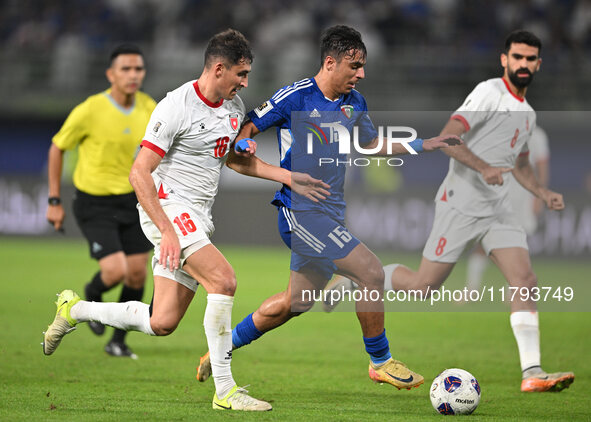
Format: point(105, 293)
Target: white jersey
point(192, 135)
point(499, 125)
point(521, 199)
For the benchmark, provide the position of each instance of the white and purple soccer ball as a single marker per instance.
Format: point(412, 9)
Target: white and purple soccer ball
point(455, 392)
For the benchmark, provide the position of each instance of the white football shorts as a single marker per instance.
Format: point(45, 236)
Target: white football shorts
point(522, 202)
point(452, 231)
point(192, 234)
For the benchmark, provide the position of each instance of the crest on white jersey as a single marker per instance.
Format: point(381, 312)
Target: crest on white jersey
point(234, 121)
point(263, 109)
point(158, 128)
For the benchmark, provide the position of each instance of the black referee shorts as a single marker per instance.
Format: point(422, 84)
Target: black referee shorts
point(110, 224)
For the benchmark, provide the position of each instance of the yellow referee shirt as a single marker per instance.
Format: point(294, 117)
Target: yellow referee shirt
point(108, 136)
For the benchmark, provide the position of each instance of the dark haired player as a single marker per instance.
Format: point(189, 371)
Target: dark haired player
point(315, 230)
point(175, 177)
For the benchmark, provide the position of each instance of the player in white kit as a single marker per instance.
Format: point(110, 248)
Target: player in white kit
point(473, 202)
point(526, 207)
point(175, 177)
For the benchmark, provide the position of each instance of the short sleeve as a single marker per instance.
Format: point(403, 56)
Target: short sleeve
point(74, 129)
point(165, 124)
point(270, 114)
point(477, 106)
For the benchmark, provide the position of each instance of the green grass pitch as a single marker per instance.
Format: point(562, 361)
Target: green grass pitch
point(312, 369)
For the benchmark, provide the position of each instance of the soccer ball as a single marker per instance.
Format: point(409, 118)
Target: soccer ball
point(455, 392)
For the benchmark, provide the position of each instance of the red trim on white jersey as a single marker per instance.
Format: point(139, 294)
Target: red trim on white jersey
point(205, 100)
point(462, 120)
point(444, 196)
point(524, 154)
point(517, 97)
point(153, 147)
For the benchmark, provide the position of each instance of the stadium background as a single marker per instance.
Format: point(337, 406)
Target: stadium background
point(424, 55)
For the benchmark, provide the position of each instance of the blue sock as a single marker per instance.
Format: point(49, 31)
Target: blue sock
point(245, 332)
point(378, 348)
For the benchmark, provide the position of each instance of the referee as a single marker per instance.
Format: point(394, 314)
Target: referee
point(107, 129)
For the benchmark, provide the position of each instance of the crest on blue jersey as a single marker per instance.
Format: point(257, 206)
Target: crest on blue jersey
point(347, 110)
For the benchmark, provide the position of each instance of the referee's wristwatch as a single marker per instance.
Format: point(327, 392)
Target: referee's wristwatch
point(54, 200)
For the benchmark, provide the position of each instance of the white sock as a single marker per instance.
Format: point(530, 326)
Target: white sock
point(128, 316)
point(388, 270)
point(218, 330)
point(526, 330)
point(477, 264)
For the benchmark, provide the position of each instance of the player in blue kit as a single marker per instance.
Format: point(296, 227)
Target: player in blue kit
point(313, 227)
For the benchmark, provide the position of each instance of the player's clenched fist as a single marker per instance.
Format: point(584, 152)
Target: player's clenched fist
point(553, 200)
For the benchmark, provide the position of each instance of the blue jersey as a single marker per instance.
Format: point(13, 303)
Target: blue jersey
point(300, 112)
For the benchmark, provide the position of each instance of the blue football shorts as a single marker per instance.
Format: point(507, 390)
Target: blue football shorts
point(316, 240)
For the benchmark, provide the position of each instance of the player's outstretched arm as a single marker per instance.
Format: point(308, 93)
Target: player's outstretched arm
point(55, 212)
point(301, 183)
point(140, 178)
point(491, 175)
point(525, 175)
point(241, 159)
point(418, 145)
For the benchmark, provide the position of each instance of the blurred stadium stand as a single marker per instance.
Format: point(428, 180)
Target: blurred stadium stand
point(424, 55)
